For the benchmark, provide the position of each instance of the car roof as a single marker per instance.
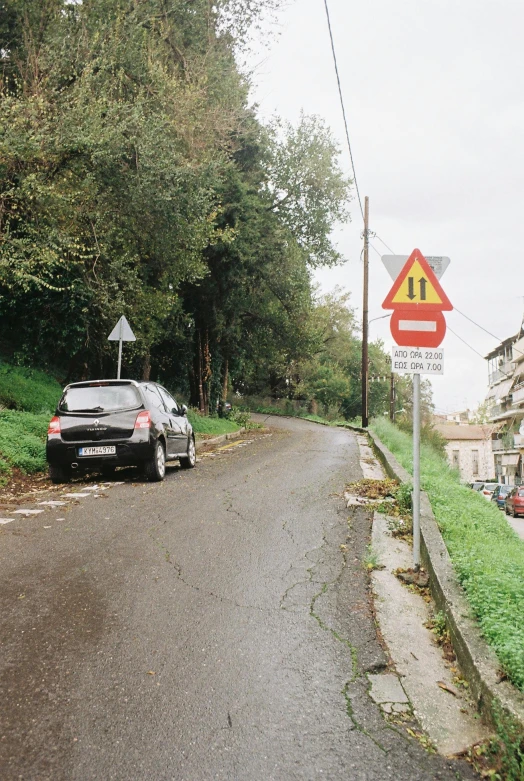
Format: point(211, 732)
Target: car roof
point(93, 383)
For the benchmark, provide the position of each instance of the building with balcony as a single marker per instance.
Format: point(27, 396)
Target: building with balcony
point(506, 407)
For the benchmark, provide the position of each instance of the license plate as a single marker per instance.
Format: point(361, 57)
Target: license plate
point(102, 450)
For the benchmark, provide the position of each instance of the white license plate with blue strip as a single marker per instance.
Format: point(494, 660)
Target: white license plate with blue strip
point(101, 450)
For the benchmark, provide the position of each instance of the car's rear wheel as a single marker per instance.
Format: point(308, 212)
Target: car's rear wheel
point(189, 461)
point(59, 474)
point(155, 468)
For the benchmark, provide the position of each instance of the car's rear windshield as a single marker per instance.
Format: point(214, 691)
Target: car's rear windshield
point(520, 492)
point(100, 398)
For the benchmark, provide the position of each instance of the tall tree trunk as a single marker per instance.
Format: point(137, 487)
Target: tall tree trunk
point(193, 385)
point(225, 380)
point(200, 364)
point(223, 393)
point(146, 367)
point(206, 373)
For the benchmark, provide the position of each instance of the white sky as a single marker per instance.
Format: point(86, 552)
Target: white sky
point(434, 95)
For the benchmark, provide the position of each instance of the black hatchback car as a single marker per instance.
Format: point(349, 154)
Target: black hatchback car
point(103, 424)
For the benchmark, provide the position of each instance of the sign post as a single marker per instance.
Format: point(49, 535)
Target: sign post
point(121, 333)
point(418, 328)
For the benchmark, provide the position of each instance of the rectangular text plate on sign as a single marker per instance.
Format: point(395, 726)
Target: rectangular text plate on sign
point(417, 360)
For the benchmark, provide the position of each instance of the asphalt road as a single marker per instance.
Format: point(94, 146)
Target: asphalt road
point(214, 626)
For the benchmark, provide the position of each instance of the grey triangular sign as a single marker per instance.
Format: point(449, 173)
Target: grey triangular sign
point(122, 330)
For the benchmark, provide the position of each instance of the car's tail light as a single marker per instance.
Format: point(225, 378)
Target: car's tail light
point(54, 426)
point(143, 420)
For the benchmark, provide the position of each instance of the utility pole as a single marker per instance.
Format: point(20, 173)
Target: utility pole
point(365, 367)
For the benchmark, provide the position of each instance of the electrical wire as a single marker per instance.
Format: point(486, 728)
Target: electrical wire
point(485, 330)
point(343, 108)
point(478, 325)
point(384, 243)
point(466, 343)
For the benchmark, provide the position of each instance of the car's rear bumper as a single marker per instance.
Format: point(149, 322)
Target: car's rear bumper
point(128, 453)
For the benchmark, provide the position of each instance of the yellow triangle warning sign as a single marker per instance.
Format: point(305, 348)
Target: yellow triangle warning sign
point(417, 287)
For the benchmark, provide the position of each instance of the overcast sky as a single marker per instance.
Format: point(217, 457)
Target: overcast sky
point(434, 95)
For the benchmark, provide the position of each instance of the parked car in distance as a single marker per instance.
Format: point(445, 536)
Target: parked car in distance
point(476, 486)
point(487, 489)
point(499, 495)
point(102, 424)
point(515, 502)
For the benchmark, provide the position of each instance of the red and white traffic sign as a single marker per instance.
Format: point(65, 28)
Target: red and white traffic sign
point(417, 300)
point(412, 328)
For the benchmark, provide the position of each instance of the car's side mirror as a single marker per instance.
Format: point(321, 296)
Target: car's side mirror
point(183, 409)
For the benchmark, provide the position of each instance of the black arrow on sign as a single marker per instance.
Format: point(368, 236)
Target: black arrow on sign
point(423, 282)
point(411, 288)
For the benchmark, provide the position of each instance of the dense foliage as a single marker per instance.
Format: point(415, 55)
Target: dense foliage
point(487, 554)
point(135, 179)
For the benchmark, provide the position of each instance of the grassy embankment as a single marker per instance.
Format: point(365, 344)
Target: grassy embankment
point(28, 398)
point(487, 554)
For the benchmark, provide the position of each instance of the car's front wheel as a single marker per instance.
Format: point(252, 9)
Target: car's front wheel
point(155, 468)
point(59, 474)
point(189, 461)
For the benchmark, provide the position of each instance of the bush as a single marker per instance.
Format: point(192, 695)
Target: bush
point(22, 441)
point(487, 554)
point(28, 390)
point(203, 424)
point(241, 417)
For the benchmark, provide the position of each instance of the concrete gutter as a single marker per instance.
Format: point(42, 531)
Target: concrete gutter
point(477, 660)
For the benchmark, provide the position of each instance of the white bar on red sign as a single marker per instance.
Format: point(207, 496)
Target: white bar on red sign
point(417, 360)
point(417, 325)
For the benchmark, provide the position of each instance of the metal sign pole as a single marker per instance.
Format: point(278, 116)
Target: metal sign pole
point(121, 333)
point(120, 350)
point(416, 471)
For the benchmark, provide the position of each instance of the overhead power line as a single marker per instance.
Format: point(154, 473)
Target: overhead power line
point(466, 343)
point(478, 325)
point(343, 107)
point(384, 243)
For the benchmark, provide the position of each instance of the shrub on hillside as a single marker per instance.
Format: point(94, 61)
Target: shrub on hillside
point(22, 440)
point(28, 390)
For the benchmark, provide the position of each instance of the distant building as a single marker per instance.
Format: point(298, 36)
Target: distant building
point(506, 404)
point(469, 449)
point(453, 417)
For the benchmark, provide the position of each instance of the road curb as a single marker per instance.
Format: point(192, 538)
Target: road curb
point(199, 443)
point(477, 660)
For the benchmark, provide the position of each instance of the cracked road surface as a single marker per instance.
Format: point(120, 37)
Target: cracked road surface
point(214, 626)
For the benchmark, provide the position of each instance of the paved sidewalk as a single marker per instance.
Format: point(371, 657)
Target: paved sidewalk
point(424, 682)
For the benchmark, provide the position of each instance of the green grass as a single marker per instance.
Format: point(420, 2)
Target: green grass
point(30, 396)
point(488, 556)
point(22, 442)
point(28, 390)
point(216, 426)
